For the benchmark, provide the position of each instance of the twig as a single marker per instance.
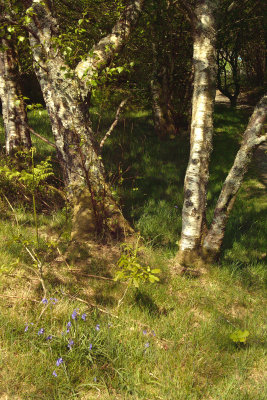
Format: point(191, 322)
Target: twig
point(92, 276)
point(17, 297)
point(90, 304)
point(39, 265)
point(112, 126)
point(39, 136)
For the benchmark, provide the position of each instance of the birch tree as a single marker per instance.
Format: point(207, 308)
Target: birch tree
point(200, 243)
point(17, 135)
point(67, 93)
point(197, 174)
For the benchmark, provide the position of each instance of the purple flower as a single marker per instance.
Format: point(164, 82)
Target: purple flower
point(44, 301)
point(176, 207)
point(54, 301)
point(26, 328)
point(41, 331)
point(97, 328)
point(74, 314)
point(83, 316)
point(59, 361)
point(94, 379)
point(54, 373)
point(90, 346)
point(146, 345)
point(71, 343)
point(49, 337)
point(68, 326)
point(153, 333)
point(144, 332)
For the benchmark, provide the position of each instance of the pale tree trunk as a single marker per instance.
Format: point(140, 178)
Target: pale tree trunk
point(67, 96)
point(17, 135)
point(161, 101)
point(197, 174)
point(252, 138)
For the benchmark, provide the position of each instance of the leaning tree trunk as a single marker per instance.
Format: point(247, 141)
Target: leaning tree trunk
point(67, 96)
point(197, 174)
point(17, 135)
point(252, 138)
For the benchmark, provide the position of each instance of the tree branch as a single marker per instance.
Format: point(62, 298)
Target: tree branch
point(115, 122)
point(102, 53)
point(39, 136)
point(26, 28)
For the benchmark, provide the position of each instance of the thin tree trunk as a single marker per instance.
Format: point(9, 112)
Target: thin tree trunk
point(197, 174)
point(160, 92)
point(17, 135)
point(252, 138)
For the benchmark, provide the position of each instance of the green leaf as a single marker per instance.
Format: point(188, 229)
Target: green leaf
point(239, 336)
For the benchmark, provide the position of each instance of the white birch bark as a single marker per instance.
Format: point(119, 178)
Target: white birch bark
point(251, 139)
point(197, 174)
point(17, 135)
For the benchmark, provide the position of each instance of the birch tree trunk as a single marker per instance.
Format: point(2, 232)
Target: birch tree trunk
point(67, 96)
point(197, 174)
point(17, 135)
point(251, 139)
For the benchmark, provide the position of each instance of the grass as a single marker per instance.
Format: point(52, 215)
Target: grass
point(169, 340)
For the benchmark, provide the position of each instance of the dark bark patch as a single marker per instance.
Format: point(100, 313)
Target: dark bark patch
point(195, 161)
point(188, 203)
point(188, 193)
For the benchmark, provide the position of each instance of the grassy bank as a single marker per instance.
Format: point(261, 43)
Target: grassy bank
point(167, 340)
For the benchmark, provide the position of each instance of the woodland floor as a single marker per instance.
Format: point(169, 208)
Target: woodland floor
point(183, 338)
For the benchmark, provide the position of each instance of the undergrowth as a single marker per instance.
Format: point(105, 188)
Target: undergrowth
point(179, 338)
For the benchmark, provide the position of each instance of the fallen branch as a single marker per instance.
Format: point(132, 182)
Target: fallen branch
point(91, 276)
point(115, 122)
point(39, 136)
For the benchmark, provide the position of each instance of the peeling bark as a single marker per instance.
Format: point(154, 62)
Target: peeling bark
point(251, 139)
point(67, 96)
point(17, 135)
point(197, 174)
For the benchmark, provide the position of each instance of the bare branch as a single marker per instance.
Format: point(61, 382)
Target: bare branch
point(39, 136)
point(188, 10)
point(115, 122)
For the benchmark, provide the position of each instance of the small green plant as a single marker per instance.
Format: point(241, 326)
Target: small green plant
point(239, 336)
point(30, 177)
point(131, 269)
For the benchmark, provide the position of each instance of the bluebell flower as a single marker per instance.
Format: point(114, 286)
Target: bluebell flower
point(176, 207)
point(26, 328)
point(54, 373)
point(90, 346)
point(59, 361)
point(97, 328)
point(71, 343)
point(54, 301)
point(146, 345)
point(94, 379)
point(49, 337)
point(144, 332)
point(74, 314)
point(68, 326)
point(153, 333)
point(83, 316)
point(44, 301)
point(41, 331)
